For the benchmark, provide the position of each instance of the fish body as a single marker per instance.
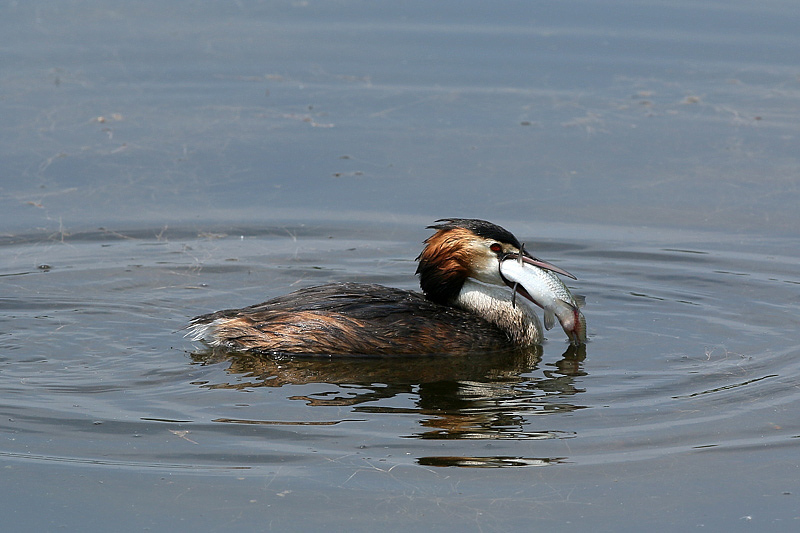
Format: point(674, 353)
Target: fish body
point(545, 289)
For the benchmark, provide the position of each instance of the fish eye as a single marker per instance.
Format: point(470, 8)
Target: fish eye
point(495, 247)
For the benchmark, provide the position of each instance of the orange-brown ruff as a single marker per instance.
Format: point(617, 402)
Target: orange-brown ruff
point(466, 306)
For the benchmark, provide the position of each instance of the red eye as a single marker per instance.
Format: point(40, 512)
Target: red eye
point(496, 248)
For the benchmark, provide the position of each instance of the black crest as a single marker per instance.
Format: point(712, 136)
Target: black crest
point(481, 228)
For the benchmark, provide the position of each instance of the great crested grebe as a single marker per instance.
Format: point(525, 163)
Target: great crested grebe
point(469, 303)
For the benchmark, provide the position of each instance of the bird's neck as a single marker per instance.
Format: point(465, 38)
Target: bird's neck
point(494, 304)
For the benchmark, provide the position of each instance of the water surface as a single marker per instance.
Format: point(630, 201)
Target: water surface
point(166, 160)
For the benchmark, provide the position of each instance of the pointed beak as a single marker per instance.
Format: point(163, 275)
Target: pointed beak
point(538, 263)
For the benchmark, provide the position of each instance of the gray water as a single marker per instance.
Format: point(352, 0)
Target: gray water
point(162, 160)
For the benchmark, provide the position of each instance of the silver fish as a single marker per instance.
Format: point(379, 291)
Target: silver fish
point(547, 291)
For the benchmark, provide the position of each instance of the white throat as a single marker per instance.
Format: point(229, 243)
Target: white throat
point(493, 303)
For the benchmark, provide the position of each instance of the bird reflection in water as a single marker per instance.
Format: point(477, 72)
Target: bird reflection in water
point(480, 396)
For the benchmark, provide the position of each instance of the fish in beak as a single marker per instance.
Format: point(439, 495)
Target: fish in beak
point(536, 281)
